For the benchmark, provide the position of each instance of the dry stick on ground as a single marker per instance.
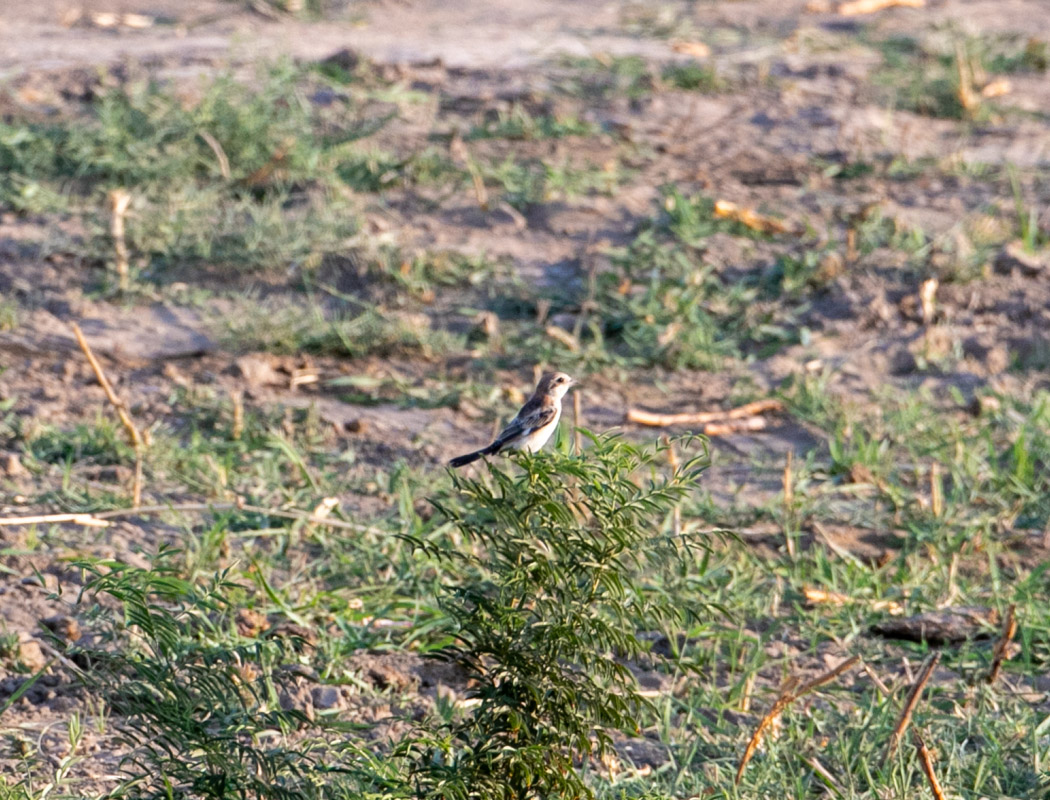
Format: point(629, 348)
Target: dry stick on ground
point(882, 687)
point(735, 426)
point(911, 701)
point(672, 459)
point(577, 421)
point(783, 701)
point(825, 775)
point(656, 420)
point(968, 98)
point(87, 520)
point(220, 154)
point(936, 490)
point(1009, 630)
point(122, 412)
point(857, 7)
point(237, 426)
point(927, 765)
point(102, 519)
point(119, 200)
point(458, 150)
point(789, 693)
point(789, 498)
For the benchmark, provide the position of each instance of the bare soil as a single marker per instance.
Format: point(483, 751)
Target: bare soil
point(763, 146)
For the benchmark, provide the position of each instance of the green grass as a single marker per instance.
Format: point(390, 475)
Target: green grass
point(693, 77)
point(606, 77)
point(403, 564)
point(251, 176)
point(525, 184)
point(518, 123)
point(926, 77)
point(663, 303)
point(545, 584)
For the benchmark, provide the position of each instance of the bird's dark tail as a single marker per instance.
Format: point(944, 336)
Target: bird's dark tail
point(470, 458)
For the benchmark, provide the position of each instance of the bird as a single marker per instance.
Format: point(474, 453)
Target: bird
point(534, 424)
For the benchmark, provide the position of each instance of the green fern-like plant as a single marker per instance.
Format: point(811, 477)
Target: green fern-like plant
point(545, 631)
point(198, 706)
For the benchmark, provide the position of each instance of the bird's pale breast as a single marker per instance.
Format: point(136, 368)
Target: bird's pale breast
point(539, 437)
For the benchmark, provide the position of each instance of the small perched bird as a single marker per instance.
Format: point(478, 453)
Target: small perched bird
point(533, 425)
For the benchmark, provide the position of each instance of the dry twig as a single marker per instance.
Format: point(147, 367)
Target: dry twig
point(122, 412)
point(220, 154)
point(857, 7)
point(237, 425)
point(936, 490)
point(968, 98)
point(828, 676)
point(789, 499)
point(911, 701)
point(928, 300)
point(657, 420)
point(87, 520)
point(817, 596)
point(672, 460)
point(119, 200)
point(735, 426)
point(882, 687)
point(927, 765)
point(107, 387)
point(783, 700)
point(1001, 646)
point(790, 691)
point(825, 775)
point(101, 519)
point(751, 218)
point(577, 422)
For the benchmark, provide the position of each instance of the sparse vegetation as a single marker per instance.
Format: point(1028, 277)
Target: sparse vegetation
point(370, 260)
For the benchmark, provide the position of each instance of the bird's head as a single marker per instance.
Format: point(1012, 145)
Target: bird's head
point(555, 384)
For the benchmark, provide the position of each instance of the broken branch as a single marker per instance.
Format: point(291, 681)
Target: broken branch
point(122, 413)
point(790, 691)
point(119, 200)
point(1001, 646)
point(927, 765)
point(911, 701)
point(857, 7)
point(783, 700)
point(657, 420)
point(107, 387)
point(751, 218)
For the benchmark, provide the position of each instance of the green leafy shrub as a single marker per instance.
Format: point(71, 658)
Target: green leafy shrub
point(551, 586)
point(571, 546)
point(200, 706)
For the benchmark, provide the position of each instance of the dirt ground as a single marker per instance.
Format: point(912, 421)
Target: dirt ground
point(766, 146)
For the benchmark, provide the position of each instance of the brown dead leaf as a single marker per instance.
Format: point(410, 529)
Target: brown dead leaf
point(996, 88)
point(928, 299)
point(724, 209)
point(859, 473)
point(857, 7)
point(111, 19)
point(815, 596)
point(562, 336)
point(735, 426)
point(694, 49)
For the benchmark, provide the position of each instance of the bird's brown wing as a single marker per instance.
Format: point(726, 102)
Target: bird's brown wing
point(530, 418)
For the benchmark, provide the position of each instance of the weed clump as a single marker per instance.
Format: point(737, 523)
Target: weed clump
point(551, 588)
point(546, 629)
